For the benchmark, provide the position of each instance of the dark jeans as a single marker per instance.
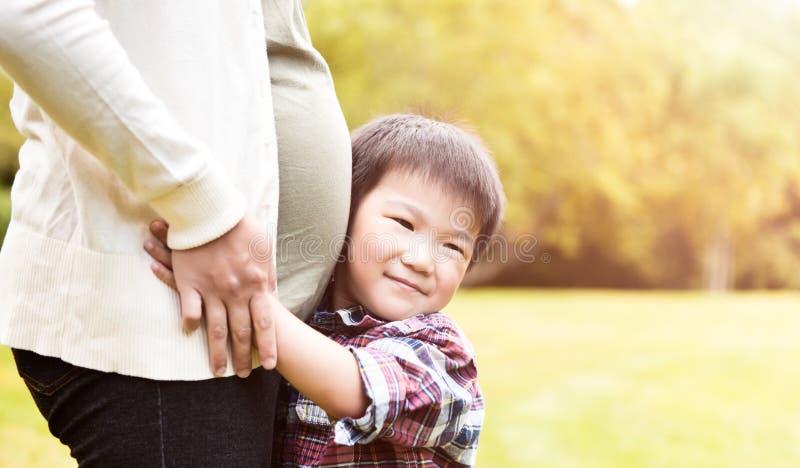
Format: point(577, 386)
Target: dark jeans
point(108, 419)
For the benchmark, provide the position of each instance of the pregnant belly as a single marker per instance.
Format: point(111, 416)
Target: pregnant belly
point(315, 171)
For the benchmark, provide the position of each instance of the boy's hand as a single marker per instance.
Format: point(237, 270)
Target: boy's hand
point(249, 320)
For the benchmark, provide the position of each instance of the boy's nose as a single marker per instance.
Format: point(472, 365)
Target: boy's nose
point(419, 256)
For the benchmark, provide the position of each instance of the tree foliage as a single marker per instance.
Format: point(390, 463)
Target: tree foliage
point(644, 143)
point(637, 139)
point(10, 139)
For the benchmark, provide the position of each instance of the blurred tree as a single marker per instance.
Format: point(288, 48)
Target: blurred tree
point(5, 212)
point(644, 143)
point(10, 139)
point(651, 139)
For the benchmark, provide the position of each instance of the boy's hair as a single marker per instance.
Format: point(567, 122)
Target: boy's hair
point(439, 152)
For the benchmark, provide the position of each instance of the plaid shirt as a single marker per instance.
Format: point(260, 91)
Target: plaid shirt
point(426, 407)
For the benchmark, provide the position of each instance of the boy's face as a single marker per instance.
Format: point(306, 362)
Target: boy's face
point(409, 249)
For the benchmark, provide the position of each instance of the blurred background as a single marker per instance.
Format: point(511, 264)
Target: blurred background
point(642, 307)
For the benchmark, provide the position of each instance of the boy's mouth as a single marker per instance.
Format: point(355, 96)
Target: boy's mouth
point(406, 283)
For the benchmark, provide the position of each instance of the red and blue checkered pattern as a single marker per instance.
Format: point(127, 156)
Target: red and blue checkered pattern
point(426, 406)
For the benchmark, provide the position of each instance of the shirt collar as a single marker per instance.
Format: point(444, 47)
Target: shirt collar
point(354, 318)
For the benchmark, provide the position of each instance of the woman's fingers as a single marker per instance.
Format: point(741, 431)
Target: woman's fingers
point(162, 266)
point(159, 229)
point(240, 332)
point(191, 309)
point(159, 252)
point(164, 274)
point(217, 327)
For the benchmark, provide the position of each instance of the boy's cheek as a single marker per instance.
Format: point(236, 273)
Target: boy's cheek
point(458, 278)
point(379, 248)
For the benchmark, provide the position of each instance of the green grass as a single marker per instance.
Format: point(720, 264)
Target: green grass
point(593, 379)
point(24, 438)
point(609, 379)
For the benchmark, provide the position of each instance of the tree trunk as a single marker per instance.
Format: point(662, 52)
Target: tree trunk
point(719, 263)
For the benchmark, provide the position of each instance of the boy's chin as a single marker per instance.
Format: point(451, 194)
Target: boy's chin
point(395, 312)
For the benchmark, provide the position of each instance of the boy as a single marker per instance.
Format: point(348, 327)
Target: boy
point(392, 381)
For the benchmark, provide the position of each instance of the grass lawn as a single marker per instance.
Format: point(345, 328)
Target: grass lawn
point(593, 379)
point(24, 438)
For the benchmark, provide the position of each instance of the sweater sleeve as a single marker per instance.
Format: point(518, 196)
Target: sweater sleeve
point(66, 58)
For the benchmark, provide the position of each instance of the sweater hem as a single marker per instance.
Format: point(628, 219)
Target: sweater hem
point(101, 311)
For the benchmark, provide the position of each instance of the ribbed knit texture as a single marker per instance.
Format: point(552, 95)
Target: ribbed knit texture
point(131, 111)
point(105, 312)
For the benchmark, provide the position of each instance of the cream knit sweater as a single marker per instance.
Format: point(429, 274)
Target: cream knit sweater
point(131, 110)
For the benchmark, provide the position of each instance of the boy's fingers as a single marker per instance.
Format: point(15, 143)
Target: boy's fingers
point(164, 274)
point(159, 253)
point(159, 229)
point(264, 330)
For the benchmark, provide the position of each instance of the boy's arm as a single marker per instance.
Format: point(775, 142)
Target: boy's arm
point(321, 369)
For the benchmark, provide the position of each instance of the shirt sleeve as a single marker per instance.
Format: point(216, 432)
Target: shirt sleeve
point(422, 395)
point(65, 57)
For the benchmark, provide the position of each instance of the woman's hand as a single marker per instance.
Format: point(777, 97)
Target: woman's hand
point(162, 267)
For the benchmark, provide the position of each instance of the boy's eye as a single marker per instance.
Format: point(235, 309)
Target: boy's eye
point(455, 247)
point(404, 223)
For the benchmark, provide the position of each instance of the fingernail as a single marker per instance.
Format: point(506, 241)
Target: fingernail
point(221, 371)
point(148, 244)
point(243, 373)
point(268, 363)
